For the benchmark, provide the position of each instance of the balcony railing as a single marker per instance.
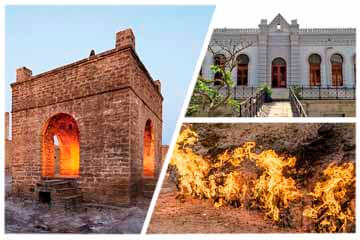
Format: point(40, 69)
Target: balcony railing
point(303, 93)
point(252, 105)
point(241, 92)
point(330, 92)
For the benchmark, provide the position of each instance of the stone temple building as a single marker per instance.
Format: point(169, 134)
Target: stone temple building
point(102, 114)
point(281, 54)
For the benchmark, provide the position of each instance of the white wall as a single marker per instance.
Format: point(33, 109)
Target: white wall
point(348, 67)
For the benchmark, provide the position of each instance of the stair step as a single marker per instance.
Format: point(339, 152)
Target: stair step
point(66, 191)
point(57, 183)
point(148, 194)
point(277, 109)
point(71, 197)
point(149, 188)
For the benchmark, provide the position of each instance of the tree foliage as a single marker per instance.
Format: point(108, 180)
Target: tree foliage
point(206, 98)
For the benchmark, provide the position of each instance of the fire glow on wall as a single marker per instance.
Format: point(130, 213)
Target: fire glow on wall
point(64, 127)
point(149, 150)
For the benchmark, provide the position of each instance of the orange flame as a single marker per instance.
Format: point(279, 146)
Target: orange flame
point(272, 187)
point(223, 180)
point(199, 178)
point(329, 210)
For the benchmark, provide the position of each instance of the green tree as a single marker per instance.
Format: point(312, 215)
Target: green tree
point(206, 97)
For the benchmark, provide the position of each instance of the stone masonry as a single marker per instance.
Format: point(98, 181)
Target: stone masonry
point(110, 97)
point(7, 146)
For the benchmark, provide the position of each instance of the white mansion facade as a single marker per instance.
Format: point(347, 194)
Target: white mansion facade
point(282, 55)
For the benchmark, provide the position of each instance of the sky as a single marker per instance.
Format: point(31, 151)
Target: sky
point(168, 40)
point(309, 13)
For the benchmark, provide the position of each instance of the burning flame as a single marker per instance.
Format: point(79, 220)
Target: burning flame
point(329, 210)
point(272, 187)
point(201, 177)
point(222, 179)
point(192, 167)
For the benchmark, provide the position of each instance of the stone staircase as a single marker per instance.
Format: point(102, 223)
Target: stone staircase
point(277, 109)
point(280, 105)
point(149, 187)
point(59, 193)
point(280, 94)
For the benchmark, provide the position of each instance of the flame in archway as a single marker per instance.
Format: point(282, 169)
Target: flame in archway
point(64, 127)
point(149, 150)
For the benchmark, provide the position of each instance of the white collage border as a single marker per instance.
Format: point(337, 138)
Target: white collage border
point(181, 119)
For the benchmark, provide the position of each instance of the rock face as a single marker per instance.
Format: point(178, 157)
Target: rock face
point(110, 96)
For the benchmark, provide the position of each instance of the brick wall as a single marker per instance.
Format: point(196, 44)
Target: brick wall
point(7, 145)
point(164, 150)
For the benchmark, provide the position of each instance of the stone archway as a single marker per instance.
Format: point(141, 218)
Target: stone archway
point(149, 150)
point(63, 127)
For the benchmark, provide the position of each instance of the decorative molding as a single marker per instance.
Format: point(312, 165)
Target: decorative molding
point(326, 42)
point(236, 30)
point(328, 30)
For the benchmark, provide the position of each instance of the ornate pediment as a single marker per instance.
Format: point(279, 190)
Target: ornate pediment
point(279, 24)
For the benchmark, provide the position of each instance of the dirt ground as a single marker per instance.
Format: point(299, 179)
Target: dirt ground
point(200, 216)
point(26, 216)
point(314, 145)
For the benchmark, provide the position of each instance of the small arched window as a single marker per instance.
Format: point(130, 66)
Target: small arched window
point(336, 69)
point(219, 60)
point(314, 67)
point(242, 69)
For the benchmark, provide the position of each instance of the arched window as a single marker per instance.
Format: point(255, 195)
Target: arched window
point(314, 67)
point(219, 60)
point(242, 69)
point(336, 69)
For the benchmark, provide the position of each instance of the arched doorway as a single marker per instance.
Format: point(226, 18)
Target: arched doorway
point(336, 69)
point(149, 150)
point(60, 147)
point(278, 73)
